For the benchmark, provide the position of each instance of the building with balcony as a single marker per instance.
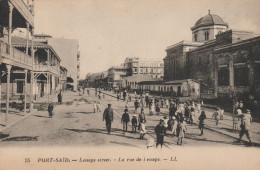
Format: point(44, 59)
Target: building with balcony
point(46, 67)
point(15, 64)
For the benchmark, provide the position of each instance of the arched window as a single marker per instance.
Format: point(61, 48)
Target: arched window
point(195, 37)
point(206, 35)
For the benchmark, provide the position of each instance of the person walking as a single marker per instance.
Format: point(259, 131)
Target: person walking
point(181, 130)
point(157, 109)
point(136, 105)
point(50, 110)
point(141, 118)
point(202, 118)
point(95, 106)
point(134, 124)
point(60, 98)
point(216, 116)
point(142, 129)
point(245, 126)
point(174, 127)
point(98, 108)
point(108, 116)
point(167, 103)
point(160, 132)
point(125, 119)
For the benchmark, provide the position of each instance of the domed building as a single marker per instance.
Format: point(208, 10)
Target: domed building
point(222, 60)
point(207, 27)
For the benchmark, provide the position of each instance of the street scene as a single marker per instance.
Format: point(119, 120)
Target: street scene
point(174, 77)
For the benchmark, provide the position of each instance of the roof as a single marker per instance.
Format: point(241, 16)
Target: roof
point(209, 20)
point(63, 68)
point(21, 42)
point(42, 35)
point(179, 81)
point(154, 82)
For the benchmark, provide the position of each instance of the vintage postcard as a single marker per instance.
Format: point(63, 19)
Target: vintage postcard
point(129, 84)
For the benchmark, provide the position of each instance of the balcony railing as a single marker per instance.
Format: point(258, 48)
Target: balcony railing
point(14, 54)
point(46, 68)
point(24, 10)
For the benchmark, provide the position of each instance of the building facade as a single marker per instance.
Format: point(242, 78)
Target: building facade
point(223, 61)
point(115, 76)
point(68, 51)
point(136, 66)
point(16, 67)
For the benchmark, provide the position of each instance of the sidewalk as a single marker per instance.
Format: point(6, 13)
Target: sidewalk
point(225, 126)
point(15, 115)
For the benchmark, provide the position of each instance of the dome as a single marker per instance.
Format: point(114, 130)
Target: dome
point(209, 20)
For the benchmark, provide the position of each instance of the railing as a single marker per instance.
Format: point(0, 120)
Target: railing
point(14, 54)
point(24, 10)
point(42, 67)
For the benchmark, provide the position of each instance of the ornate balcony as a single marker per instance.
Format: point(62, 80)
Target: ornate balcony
point(15, 57)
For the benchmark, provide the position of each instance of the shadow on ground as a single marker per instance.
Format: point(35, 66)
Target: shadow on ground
point(21, 138)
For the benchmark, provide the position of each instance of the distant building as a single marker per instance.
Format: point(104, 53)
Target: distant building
point(67, 49)
point(132, 82)
point(115, 76)
point(63, 77)
point(136, 66)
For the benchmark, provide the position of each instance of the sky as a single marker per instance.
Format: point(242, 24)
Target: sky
point(108, 31)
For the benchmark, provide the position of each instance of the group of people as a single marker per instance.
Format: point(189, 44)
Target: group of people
point(180, 113)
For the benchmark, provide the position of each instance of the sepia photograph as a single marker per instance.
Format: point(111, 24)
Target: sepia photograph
point(129, 84)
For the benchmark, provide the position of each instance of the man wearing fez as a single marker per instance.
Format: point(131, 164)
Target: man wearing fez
point(108, 116)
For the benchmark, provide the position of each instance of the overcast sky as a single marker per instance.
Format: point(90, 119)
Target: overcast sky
point(108, 31)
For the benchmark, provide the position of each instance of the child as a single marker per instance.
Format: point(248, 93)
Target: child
point(221, 113)
point(125, 120)
point(95, 106)
point(181, 130)
point(134, 124)
point(216, 115)
point(202, 123)
point(98, 109)
point(142, 130)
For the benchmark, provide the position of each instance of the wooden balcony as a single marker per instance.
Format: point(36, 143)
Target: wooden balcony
point(46, 68)
point(15, 57)
point(24, 10)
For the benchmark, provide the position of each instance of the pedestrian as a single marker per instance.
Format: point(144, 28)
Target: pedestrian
point(165, 122)
point(98, 108)
point(125, 119)
point(95, 106)
point(152, 108)
point(108, 116)
point(245, 126)
point(167, 103)
point(181, 131)
point(60, 98)
point(157, 109)
point(160, 132)
point(216, 116)
point(174, 127)
point(172, 110)
point(141, 118)
point(221, 113)
point(162, 102)
point(88, 92)
point(117, 96)
point(136, 105)
point(198, 107)
point(202, 118)
point(124, 94)
point(142, 129)
point(129, 98)
point(134, 124)
point(192, 114)
point(50, 110)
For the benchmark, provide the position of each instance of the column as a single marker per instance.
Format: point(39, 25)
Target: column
point(231, 73)
point(250, 66)
point(32, 72)
point(8, 67)
point(215, 64)
point(11, 7)
point(25, 90)
point(0, 90)
point(48, 86)
point(27, 37)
